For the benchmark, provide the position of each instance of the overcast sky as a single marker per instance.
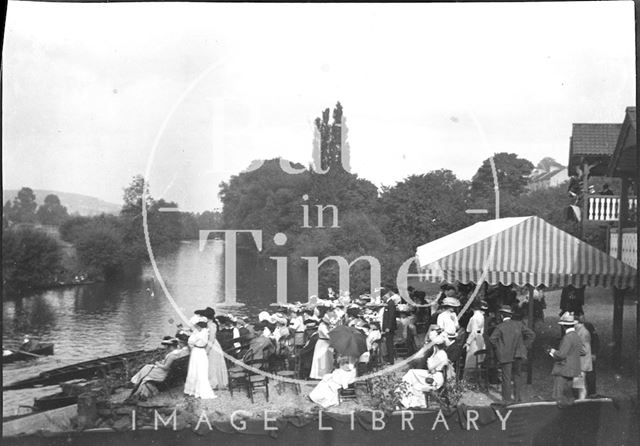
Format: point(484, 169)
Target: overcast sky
point(88, 88)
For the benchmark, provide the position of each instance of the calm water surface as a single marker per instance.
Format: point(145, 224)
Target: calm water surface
point(91, 321)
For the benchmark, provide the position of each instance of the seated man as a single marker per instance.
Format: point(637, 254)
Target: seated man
point(260, 345)
point(159, 371)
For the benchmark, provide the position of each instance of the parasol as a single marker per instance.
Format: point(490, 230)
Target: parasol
point(348, 341)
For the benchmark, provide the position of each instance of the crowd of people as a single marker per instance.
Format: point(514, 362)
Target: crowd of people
point(298, 337)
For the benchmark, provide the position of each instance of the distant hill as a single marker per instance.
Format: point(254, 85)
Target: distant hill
point(75, 203)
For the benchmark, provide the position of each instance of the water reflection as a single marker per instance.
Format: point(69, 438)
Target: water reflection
point(90, 321)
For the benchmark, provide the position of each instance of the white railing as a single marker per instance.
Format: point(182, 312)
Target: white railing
point(629, 246)
point(607, 207)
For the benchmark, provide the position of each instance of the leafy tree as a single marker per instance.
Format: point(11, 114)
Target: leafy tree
point(24, 207)
point(329, 153)
point(512, 173)
point(52, 212)
point(133, 196)
point(73, 228)
point(357, 236)
point(30, 258)
point(101, 251)
point(268, 199)
point(422, 208)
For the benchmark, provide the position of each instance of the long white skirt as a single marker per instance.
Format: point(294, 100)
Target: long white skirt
point(417, 380)
point(477, 343)
point(197, 383)
point(322, 360)
point(149, 373)
point(217, 367)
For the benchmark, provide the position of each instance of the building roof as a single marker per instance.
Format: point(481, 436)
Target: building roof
point(594, 139)
point(624, 157)
point(592, 142)
point(547, 175)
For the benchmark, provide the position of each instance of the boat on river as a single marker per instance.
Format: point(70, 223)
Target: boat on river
point(82, 370)
point(10, 355)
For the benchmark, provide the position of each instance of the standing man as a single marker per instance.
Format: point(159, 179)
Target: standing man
point(511, 339)
point(567, 361)
point(389, 326)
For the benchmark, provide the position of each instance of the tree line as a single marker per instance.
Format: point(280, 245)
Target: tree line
point(388, 224)
point(105, 246)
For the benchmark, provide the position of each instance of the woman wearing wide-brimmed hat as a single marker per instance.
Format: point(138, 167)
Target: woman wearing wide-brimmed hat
point(322, 354)
point(567, 361)
point(421, 380)
point(197, 382)
point(475, 335)
point(448, 320)
point(218, 376)
point(158, 371)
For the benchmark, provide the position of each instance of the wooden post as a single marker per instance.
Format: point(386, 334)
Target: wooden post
point(585, 199)
point(622, 213)
point(618, 307)
point(618, 295)
point(531, 323)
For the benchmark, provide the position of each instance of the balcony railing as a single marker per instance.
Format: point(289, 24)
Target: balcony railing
point(629, 245)
point(607, 208)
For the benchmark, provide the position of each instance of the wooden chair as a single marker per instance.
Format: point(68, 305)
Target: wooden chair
point(256, 381)
point(347, 394)
point(402, 350)
point(375, 358)
point(237, 375)
point(282, 385)
point(440, 393)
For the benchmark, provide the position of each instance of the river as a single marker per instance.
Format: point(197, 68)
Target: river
point(91, 321)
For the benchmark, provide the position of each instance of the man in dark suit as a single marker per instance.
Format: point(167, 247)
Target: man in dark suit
point(389, 326)
point(567, 361)
point(511, 340)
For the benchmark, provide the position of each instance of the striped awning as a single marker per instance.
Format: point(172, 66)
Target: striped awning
point(521, 250)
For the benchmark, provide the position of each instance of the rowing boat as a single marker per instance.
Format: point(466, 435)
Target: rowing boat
point(82, 370)
point(23, 355)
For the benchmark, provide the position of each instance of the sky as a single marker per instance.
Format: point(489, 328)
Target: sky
point(190, 94)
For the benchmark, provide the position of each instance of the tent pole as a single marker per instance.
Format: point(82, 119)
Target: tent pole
point(618, 308)
point(530, 321)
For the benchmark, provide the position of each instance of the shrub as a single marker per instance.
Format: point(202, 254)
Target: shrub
point(30, 258)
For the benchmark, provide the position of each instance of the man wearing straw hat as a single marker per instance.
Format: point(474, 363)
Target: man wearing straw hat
point(567, 361)
point(511, 339)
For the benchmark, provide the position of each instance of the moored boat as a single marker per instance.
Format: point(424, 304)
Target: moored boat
point(13, 355)
point(54, 401)
point(85, 370)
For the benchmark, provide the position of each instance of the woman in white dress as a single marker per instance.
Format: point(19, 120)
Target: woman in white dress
point(420, 380)
point(197, 383)
point(475, 339)
point(218, 377)
point(323, 353)
point(326, 392)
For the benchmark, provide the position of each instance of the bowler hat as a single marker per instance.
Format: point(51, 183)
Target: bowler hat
point(567, 319)
point(505, 309)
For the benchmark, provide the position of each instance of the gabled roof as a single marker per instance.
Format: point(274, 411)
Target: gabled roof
point(624, 158)
point(592, 143)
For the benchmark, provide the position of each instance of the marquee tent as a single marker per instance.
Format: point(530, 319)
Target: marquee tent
point(521, 251)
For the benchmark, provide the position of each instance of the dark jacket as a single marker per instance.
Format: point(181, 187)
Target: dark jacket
point(567, 357)
point(389, 317)
point(511, 339)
